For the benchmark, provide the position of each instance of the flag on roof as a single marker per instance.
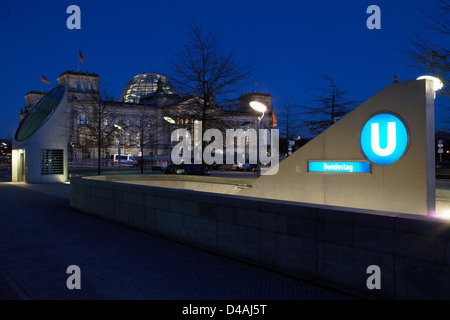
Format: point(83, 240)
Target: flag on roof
point(44, 79)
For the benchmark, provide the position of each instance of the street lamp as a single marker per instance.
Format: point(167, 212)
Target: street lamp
point(437, 83)
point(169, 119)
point(120, 140)
point(260, 107)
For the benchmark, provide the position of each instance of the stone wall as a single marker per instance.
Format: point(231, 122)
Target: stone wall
point(327, 245)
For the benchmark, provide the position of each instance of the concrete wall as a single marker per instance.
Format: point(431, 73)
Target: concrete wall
point(324, 244)
point(189, 185)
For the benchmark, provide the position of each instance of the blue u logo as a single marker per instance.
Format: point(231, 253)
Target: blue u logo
point(384, 139)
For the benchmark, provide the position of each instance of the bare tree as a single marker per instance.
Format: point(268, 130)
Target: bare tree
point(433, 56)
point(329, 105)
point(96, 123)
point(289, 120)
point(146, 133)
point(207, 74)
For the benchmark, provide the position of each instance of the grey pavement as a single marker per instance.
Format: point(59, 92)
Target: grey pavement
point(40, 236)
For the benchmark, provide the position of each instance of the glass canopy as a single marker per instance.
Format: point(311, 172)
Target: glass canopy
point(40, 113)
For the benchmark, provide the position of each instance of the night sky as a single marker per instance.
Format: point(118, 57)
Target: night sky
point(292, 43)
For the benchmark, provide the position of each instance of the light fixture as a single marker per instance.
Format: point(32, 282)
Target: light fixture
point(119, 146)
point(437, 83)
point(444, 214)
point(258, 106)
point(169, 119)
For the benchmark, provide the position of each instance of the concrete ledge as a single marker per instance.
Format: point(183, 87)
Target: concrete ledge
point(328, 245)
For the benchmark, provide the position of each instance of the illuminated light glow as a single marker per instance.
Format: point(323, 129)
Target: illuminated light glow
point(118, 127)
point(169, 120)
point(444, 214)
point(391, 139)
point(258, 106)
point(437, 83)
point(384, 139)
point(339, 166)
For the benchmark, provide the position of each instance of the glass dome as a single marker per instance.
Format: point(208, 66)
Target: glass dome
point(144, 84)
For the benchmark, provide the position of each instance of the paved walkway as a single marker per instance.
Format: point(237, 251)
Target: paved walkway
point(40, 236)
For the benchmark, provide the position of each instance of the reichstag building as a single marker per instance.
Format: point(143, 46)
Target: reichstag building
point(141, 122)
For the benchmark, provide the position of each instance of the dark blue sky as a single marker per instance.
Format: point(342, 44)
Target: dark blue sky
point(292, 42)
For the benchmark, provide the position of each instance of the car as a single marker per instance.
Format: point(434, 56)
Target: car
point(125, 160)
point(189, 169)
point(159, 165)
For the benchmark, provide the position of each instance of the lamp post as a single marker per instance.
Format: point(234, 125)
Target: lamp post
point(260, 107)
point(437, 83)
point(120, 140)
point(171, 122)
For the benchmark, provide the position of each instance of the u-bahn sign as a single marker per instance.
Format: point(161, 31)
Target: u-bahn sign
point(380, 156)
point(384, 139)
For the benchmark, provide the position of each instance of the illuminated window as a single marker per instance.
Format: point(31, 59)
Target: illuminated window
point(82, 86)
point(89, 86)
point(128, 122)
point(83, 120)
point(75, 85)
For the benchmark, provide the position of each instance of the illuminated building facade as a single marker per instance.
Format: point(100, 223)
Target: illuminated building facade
point(146, 100)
